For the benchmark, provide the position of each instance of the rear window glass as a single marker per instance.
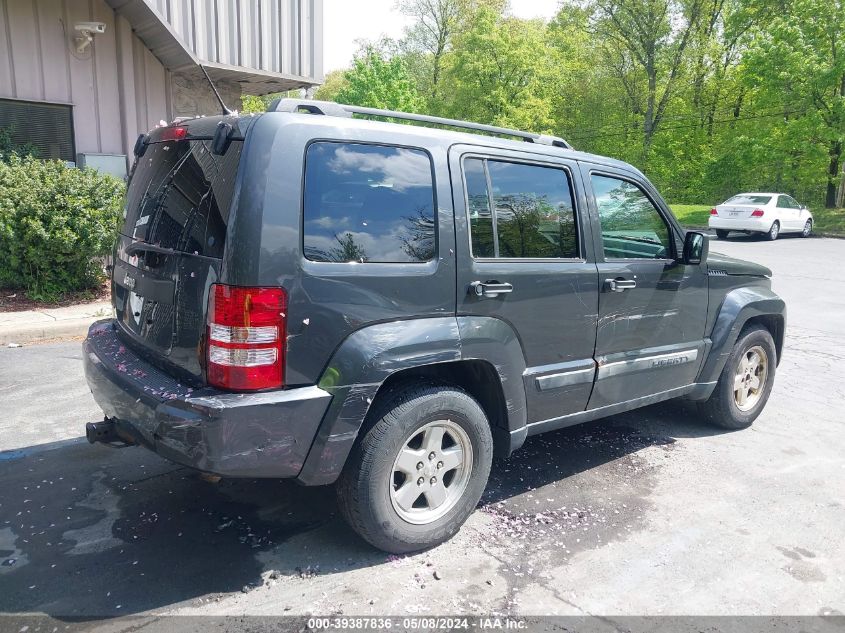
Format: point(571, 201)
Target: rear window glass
point(179, 197)
point(747, 199)
point(368, 203)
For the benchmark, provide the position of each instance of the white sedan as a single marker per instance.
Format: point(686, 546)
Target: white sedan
point(768, 213)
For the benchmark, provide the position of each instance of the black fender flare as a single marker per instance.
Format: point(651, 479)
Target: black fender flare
point(369, 356)
point(739, 306)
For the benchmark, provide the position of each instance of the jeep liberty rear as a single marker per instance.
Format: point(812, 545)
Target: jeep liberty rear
point(383, 307)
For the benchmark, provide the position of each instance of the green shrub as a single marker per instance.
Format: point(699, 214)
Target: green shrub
point(54, 222)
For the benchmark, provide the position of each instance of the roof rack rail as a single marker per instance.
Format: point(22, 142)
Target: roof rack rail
point(329, 108)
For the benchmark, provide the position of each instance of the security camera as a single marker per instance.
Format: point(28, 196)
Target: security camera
point(95, 28)
point(87, 31)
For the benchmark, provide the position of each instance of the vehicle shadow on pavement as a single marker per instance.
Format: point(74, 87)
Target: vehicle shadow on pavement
point(90, 531)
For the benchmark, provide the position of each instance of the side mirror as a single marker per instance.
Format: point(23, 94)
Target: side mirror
point(696, 247)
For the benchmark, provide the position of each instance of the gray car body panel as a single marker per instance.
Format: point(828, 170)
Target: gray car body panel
point(739, 306)
point(353, 327)
point(371, 355)
point(257, 435)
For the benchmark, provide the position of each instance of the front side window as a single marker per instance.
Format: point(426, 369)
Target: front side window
point(631, 226)
point(532, 213)
point(368, 203)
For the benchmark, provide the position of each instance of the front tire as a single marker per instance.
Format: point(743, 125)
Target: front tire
point(745, 383)
point(808, 229)
point(419, 469)
point(773, 233)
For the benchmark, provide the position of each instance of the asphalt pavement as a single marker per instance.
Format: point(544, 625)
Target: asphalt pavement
point(650, 512)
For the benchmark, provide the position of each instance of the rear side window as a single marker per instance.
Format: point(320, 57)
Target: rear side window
point(368, 203)
point(520, 211)
point(179, 196)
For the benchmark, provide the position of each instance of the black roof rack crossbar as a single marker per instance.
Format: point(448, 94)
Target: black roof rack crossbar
point(329, 108)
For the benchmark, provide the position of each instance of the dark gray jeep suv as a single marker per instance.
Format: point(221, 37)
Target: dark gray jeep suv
point(315, 295)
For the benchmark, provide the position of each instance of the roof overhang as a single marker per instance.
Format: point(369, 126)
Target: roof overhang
point(175, 55)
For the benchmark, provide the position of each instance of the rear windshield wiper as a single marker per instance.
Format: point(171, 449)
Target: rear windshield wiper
point(143, 247)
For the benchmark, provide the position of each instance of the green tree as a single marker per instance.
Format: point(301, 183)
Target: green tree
point(645, 42)
point(256, 104)
point(504, 71)
point(378, 80)
point(334, 82)
point(798, 64)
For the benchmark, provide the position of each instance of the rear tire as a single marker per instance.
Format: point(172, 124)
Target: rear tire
point(721, 234)
point(745, 383)
point(383, 494)
point(773, 233)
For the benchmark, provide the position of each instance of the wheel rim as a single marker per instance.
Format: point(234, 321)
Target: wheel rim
point(750, 378)
point(808, 226)
point(431, 472)
point(774, 230)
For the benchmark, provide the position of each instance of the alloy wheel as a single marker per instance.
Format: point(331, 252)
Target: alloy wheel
point(750, 378)
point(808, 228)
point(431, 472)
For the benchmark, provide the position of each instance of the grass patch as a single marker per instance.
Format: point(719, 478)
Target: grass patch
point(692, 215)
point(830, 221)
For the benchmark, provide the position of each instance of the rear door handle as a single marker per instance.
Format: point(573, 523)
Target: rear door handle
point(620, 284)
point(489, 288)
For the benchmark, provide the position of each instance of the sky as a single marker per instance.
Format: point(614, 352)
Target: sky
point(346, 21)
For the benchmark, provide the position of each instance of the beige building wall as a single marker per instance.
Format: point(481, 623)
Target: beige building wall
point(116, 86)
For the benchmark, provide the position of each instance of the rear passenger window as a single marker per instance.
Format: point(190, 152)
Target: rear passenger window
point(532, 213)
point(368, 203)
point(480, 217)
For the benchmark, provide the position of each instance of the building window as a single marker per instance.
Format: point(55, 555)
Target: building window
point(45, 128)
point(368, 203)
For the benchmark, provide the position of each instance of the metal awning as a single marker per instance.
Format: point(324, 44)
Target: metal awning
point(166, 44)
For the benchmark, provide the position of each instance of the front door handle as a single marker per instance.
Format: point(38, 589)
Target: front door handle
point(620, 284)
point(489, 288)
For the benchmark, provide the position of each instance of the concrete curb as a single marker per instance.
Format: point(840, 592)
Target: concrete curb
point(29, 326)
point(32, 333)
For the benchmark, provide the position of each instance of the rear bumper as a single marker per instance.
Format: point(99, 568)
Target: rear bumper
point(757, 225)
point(234, 435)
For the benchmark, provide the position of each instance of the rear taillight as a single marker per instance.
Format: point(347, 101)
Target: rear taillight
point(757, 213)
point(246, 334)
point(713, 211)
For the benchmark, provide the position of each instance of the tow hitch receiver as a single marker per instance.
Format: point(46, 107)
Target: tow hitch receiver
point(104, 432)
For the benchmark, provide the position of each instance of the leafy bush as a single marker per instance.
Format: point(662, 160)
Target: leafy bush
point(54, 222)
